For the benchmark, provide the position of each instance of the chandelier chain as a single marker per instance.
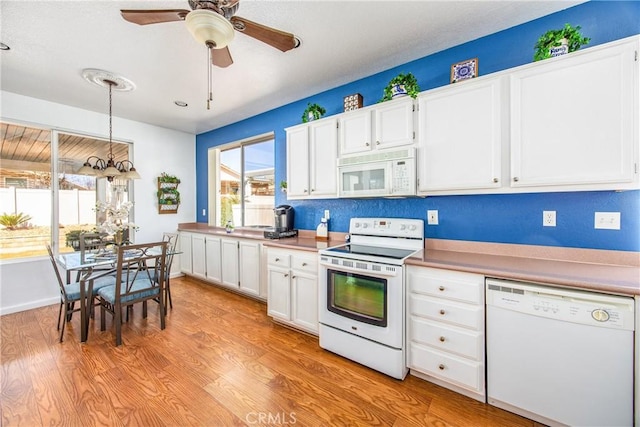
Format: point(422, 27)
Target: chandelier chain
point(110, 122)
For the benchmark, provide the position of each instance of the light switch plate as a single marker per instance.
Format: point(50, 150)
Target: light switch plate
point(432, 217)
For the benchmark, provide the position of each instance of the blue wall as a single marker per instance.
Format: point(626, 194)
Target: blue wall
point(511, 218)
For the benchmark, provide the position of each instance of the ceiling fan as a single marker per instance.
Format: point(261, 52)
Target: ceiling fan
point(212, 22)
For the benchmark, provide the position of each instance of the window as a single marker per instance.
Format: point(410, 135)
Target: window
point(31, 201)
point(243, 183)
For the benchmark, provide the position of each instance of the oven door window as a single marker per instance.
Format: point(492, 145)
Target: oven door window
point(361, 298)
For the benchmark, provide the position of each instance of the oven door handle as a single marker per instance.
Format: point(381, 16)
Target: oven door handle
point(393, 273)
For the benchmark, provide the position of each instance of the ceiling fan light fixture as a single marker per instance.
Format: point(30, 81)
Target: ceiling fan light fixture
point(209, 26)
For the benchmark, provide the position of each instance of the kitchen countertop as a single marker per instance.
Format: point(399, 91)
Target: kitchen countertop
point(615, 272)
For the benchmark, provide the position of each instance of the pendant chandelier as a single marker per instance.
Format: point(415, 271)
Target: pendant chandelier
point(109, 168)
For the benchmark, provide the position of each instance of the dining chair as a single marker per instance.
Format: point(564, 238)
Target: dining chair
point(69, 295)
point(90, 243)
point(172, 240)
point(138, 270)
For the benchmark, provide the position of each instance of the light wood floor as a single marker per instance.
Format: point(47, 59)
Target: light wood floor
point(220, 361)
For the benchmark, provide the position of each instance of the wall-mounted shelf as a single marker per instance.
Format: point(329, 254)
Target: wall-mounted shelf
point(168, 196)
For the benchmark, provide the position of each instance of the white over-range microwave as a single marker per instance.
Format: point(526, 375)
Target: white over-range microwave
point(378, 174)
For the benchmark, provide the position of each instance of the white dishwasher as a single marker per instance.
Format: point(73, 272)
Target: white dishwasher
point(558, 356)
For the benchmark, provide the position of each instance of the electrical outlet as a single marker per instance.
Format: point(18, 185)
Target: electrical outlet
point(326, 214)
point(607, 220)
point(204, 212)
point(548, 218)
point(432, 217)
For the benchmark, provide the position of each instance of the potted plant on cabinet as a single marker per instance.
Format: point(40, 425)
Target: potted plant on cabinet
point(401, 85)
point(312, 112)
point(558, 42)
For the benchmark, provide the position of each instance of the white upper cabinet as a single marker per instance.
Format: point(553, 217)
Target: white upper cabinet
point(387, 124)
point(460, 134)
point(574, 120)
point(312, 152)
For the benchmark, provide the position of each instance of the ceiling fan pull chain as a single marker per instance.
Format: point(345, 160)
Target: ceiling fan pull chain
point(210, 98)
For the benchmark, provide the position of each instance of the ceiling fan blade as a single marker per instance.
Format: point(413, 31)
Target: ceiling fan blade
point(276, 38)
point(145, 17)
point(221, 57)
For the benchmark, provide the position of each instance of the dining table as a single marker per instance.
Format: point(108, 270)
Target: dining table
point(95, 265)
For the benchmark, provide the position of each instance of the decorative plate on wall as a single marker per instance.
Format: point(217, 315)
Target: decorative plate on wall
point(464, 70)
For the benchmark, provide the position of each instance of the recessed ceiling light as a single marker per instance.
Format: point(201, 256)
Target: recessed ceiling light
point(180, 103)
point(4, 46)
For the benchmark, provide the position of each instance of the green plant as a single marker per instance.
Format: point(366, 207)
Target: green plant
point(168, 196)
point(283, 185)
point(410, 85)
point(14, 221)
point(551, 38)
point(315, 110)
point(164, 177)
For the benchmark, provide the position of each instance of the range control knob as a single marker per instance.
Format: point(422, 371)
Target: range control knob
point(365, 225)
point(357, 225)
point(402, 226)
point(600, 315)
point(412, 227)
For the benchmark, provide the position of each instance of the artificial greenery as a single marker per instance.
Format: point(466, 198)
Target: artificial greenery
point(14, 221)
point(410, 85)
point(283, 185)
point(316, 110)
point(554, 38)
point(168, 196)
point(164, 177)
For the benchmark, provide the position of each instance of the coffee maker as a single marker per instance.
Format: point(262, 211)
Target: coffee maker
point(283, 217)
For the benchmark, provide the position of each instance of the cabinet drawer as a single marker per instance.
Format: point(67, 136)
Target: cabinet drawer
point(305, 264)
point(442, 310)
point(447, 338)
point(278, 258)
point(466, 373)
point(454, 285)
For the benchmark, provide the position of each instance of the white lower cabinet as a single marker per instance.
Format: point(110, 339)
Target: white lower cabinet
point(445, 329)
point(186, 265)
point(292, 296)
point(230, 262)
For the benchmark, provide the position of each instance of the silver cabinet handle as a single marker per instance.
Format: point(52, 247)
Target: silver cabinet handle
point(377, 142)
point(442, 312)
point(442, 339)
point(495, 180)
point(277, 259)
point(516, 179)
point(286, 275)
point(441, 288)
point(441, 367)
point(367, 144)
point(304, 264)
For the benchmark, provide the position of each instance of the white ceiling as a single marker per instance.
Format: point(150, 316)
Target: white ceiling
point(342, 41)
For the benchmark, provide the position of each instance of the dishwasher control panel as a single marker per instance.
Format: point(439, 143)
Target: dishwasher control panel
point(589, 308)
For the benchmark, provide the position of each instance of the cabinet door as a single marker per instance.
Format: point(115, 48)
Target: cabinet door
point(249, 263)
point(394, 123)
point(452, 156)
point(229, 263)
point(355, 132)
point(186, 265)
point(198, 256)
point(304, 304)
point(214, 272)
point(573, 119)
point(279, 293)
point(323, 158)
point(298, 162)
